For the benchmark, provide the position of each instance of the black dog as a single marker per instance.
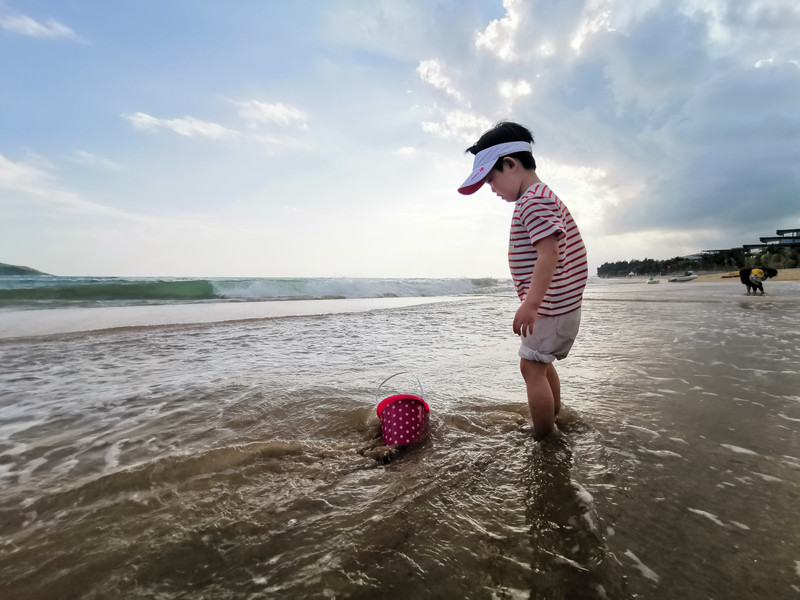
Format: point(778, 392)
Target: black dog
point(753, 280)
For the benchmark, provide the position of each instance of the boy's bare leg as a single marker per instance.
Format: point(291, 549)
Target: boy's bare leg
point(541, 399)
point(555, 386)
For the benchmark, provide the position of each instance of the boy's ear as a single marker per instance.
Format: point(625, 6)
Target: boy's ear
point(508, 162)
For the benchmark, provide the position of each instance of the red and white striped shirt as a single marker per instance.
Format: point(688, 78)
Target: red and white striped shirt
point(537, 214)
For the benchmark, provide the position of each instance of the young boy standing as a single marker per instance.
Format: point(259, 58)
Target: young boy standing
point(547, 258)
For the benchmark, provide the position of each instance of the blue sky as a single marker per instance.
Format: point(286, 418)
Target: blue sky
point(326, 138)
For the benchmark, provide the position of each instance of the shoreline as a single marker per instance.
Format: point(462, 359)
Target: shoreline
point(783, 275)
point(22, 323)
point(723, 276)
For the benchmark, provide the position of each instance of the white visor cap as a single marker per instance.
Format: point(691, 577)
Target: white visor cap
point(485, 160)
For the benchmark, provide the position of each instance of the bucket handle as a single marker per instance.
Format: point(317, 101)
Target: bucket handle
point(421, 391)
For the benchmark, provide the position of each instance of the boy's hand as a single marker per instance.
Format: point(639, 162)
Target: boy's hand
point(524, 319)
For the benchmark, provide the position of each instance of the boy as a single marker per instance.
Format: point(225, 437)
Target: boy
point(547, 258)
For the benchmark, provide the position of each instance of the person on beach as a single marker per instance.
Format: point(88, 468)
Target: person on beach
point(753, 277)
point(547, 258)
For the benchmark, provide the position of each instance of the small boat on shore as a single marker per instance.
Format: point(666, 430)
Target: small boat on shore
point(687, 276)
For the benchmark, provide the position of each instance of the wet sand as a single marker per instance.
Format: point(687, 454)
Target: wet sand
point(222, 461)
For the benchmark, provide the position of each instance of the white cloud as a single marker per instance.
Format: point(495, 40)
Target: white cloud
point(547, 49)
point(747, 30)
point(596, 17)
point(187, 126)
point(458, 125)
point(24, 25)
point(499, 36)
point(26, 182)
point(88, 159)
point(511, 90)
point(257, 113)
point(584, 189)
point(406, 152)
point(277, 145)
point(431, 71)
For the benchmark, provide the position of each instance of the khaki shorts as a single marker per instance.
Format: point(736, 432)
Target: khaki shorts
point(551, 338)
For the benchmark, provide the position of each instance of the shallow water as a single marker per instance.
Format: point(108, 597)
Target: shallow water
point(221, 461)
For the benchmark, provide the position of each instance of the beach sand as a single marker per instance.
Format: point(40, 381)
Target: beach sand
point(783, 275)
point(725, 276)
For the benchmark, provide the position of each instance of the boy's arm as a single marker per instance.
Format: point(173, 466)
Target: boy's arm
point(543, 271)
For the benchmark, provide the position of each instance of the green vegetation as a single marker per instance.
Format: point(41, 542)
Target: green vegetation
point(777, 257)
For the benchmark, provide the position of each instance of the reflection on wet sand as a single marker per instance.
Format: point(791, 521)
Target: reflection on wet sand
point(570, 556)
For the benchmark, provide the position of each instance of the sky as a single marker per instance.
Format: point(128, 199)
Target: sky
point(327, 138)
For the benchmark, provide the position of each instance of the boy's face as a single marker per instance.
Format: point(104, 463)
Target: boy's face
point(506, 183)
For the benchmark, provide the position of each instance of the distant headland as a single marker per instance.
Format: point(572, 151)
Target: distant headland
point(16, 270)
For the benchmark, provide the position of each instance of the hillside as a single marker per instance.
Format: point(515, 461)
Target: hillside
point(16, 270)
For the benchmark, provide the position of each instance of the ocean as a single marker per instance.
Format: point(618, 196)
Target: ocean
point(204, 439)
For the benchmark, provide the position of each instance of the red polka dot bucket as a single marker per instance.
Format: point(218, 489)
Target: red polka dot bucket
point(404, 417)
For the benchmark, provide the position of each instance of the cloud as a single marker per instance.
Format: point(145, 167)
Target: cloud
point(458, 125)
point(26, 182)
point(500, 35)
point(596, 17)
point(405, 152)
point(187, 126)
point(257, 114)
point(24, 25)
point(88, 159)
point(277, 145)
point(649, 116)
point(511, 90)
point(430, 71)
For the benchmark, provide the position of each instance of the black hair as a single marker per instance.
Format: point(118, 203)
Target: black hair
point(507, 131)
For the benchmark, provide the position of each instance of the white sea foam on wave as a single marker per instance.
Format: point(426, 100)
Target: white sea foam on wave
point(586, 500)
point(646, 430)
point(766, 477)
point(643, 568)
point(26, 473)
point(739, 449)
point(275, 288)
point(707, 515)
point(113, 453)
point(661, 453)
point(791, 461)
point(5, 471)
point(66, 466)
point(9, 429)
point(740, 525)
point(568, 561)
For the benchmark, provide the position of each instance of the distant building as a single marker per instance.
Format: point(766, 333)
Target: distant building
point(784, 238)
